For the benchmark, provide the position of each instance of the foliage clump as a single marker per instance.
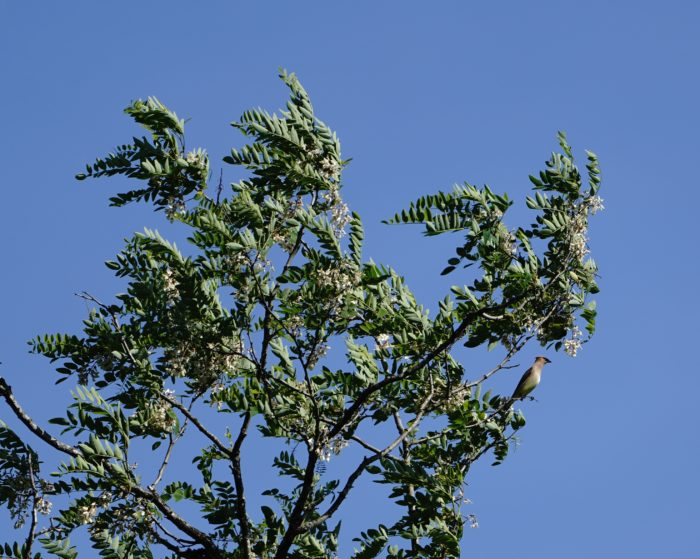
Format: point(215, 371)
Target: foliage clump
point(244, 328)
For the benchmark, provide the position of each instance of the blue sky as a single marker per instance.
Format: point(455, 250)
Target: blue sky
point(421, 97)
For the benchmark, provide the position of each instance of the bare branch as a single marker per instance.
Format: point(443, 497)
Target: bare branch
point(296, 517)
point(241, 510)
point(164, 464)
point(202, 429)
point(196, 534)
point(6, 393)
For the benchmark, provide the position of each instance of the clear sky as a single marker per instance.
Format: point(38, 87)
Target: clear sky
point(422, 96)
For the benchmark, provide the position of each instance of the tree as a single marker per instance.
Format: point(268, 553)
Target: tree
point(232, 342)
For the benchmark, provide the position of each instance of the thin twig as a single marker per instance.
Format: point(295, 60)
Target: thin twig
point(196, 534)
point(171, 444)
point(171, 535)
point(27, 553)
point(6, 393)
point(202, 429)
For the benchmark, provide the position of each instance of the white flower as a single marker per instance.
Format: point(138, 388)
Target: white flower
point(382, 342)
point(334, 446)
point(339, 279)
point(338, 444)
point(340, 217)
point(86, 513)
point(319, 352)
point(579, 246)
point(161, 420)
point(44, 506)
point(197, 158)
point(330, 167)
point(595, 204)
point(579, 222)
point(573, 345)
point(174, 207)
point(509, 244)
point(171, 286)
point(294, 324)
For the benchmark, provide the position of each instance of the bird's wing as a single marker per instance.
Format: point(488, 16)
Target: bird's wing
point(524, 387)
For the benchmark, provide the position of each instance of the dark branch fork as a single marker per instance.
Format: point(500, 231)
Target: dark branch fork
point(146, 494)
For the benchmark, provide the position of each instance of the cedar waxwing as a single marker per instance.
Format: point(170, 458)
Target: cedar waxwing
point(530, 379)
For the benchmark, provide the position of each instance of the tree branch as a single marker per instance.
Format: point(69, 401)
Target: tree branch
point(296, 517)
point(27, 553)
point(196, 534)
point(202, 429)
point(151, 496)
point(171, 444)
point(6, 393)
point(241, 510)
point(406, 456)
point(363, 465)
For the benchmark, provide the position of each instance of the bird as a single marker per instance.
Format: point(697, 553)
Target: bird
point(530, 379)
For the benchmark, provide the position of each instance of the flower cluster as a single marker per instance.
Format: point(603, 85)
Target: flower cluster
point(595, 204)
point(185, 360)
point(340, 213)
point(232, 262)
point(170, 286)
point(87, 513)
point(330, 168)
point(43, 506)
point(340, 217)
point(456, 398)
point(578, 241)
point(533, 326)
point(197, 158)
point(339, 279)
point(160, 419)
point(175, 206)
point(293, 324)
point(329, 165)
point(217, 388)
point(319, 351)
point(573, 344)
point(509, 243)
point(382, 341)
point(579, 245)
point(334, 446)
point(178, 359)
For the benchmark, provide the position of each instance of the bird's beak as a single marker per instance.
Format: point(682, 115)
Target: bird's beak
point(547, 360)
